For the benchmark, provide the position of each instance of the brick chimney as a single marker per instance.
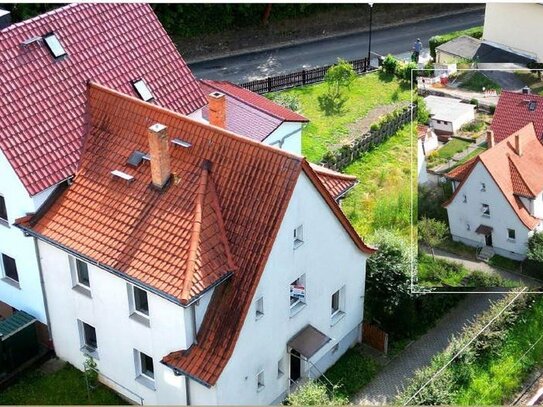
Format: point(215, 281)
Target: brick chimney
point(160, 155)
point(217, 109)
point(490, 138)
point(518, 147)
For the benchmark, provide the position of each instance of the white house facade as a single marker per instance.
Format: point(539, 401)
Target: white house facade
point(497, 203)
point(448, 115)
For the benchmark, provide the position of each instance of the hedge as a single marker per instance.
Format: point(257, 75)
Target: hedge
point(437, 40)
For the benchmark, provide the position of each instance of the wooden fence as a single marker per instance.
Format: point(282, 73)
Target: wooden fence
point(339, 159)
point(300, 78)
point(375, 337)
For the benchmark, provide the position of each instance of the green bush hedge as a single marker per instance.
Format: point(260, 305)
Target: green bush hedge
point(437, 40)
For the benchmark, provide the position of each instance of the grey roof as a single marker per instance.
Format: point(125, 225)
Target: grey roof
point(471, 48)
point(14, 323)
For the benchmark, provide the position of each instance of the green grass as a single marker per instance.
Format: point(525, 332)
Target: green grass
point(66, 386)
point(439, 272)
point(382, 199)
point(352, 372)
point(474, 153)
point(458, 248)
point(445, 153)
point(476, 81)
point(504, 263)
point(327, 132)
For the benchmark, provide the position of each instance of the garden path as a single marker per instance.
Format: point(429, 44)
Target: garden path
point(393, 377)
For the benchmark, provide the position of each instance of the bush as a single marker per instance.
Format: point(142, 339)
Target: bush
point(423, 114)
point(437, 40)
point(535, 247)
point(314, 393)
point(480, 279)
point(287, 100)
point(389, 64)
point(430, 199)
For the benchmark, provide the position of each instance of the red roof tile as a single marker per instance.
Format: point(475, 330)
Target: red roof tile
point(147, 234)
point(255, 100)
point(42, 100)
point(336, 183)
point(512, 113)
point(515, 175)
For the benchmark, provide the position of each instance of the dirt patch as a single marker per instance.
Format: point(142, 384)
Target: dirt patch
point(317, 26)
point(363, 125)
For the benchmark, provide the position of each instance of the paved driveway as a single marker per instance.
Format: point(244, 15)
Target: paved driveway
point(394, 376)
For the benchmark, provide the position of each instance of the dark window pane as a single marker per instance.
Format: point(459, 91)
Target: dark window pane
point(3, 210)
point(10, 268)
point(147, 367)
point(90, 336)
point(140, 301)
point(335, 302)
point(82, 272)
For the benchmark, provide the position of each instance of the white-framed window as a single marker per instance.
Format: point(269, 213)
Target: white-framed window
point(485, 209)
point(89, 342)
point(143, 90)
point(297, 295)
point(298, 236)
point(483, 187)
point(337, 305)
point(138, 301)
point(281, 367)
point(3, 211)
point(259, 311)
point(9, 269)
point(511, 234)
point(54, 45)
point(464, 198)
point(468, 226)
point(145, 369)
point(260, 381)
point(80, 275)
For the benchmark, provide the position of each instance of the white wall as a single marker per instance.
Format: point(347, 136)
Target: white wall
point(288, 136)
point(463, 118)
point(421, 160)
point(516, 27)
point(442, 125)
point(117, 333)
point(502, 216)
point(28, 295)
point(330, 260)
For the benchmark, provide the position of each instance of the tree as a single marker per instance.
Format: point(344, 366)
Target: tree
point(432, 232)
point(313, 393)
point(339, 77)
point(388, 276)
point(535, 247)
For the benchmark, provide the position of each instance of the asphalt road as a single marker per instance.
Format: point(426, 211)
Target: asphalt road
point(396, 40)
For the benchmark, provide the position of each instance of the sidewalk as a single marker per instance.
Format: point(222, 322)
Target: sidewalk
point(392, 379)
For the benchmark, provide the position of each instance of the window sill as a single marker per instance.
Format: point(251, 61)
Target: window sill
point(298, 243)
point(486, 216)
point(82, 290)
point(92, 352)
point(11, 282)
point(259, 315)
point(511, 240)
point(297, 308)
point(146, 381)
point(140, 318)
point(260, 388)
point(4, 222)
point(338, 316)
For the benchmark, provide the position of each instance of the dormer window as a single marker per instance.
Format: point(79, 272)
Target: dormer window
point(143, 90)
point(54, 45)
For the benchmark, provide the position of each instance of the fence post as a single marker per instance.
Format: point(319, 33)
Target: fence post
point(269, 84)
point(303, 76)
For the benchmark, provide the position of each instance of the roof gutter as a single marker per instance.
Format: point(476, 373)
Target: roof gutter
point(180, 372)
point(171, 298)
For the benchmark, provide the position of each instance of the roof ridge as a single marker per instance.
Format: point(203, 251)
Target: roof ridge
point(184, 118)
point(39, 16)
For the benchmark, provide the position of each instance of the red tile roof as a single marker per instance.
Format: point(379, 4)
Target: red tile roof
point(244, 119)
point(516, 176)
point(42, 100)
point(255, 100)
point(512, 113)
point(336, 183)
point(145, 234)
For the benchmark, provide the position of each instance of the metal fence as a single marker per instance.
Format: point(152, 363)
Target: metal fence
point(300, 78)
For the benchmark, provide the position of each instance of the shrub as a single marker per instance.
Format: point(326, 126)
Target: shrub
point(430, 198)
point(314, 393)
point(535, 247)
point(338, 77)
point(432, 232)
point(389, 64)
point(423, 114)
point(289, 101)
point(437, 40)
point(480, 279)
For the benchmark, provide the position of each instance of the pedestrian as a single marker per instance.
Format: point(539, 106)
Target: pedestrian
point(417, 48)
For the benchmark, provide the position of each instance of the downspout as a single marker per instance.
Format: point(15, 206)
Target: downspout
point(187, 391)
point(42, 286)
point(193, 318)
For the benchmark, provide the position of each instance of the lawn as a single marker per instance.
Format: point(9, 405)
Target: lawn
point(438, 272)
point(382, 199)
point(327, 132)
point(64, 387)
point(448, 151)
point(476, 81)
point(352, 372)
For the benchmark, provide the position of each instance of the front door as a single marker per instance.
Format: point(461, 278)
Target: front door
point(295, 365)
point(488, 239)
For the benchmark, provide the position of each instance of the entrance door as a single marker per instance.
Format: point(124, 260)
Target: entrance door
point(295, 365)
point(488, 239)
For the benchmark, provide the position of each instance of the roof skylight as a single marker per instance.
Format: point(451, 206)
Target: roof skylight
point(532, 105)
point(54, 45)
point(143, 90)
point(181, 143)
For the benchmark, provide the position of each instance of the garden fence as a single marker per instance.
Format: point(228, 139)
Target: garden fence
point(300, 78)
point(339, 159)
point(375, 337)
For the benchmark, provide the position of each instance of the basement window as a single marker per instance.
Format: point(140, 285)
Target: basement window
point(54, 45)
point(143, 90)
